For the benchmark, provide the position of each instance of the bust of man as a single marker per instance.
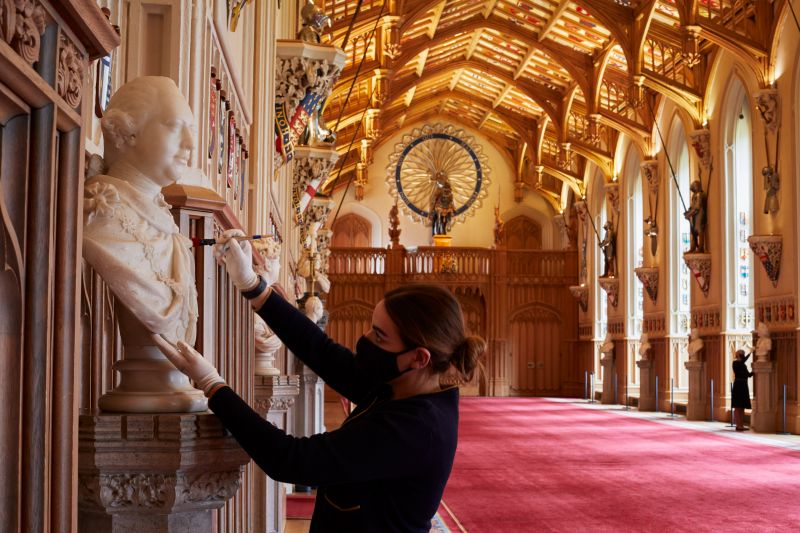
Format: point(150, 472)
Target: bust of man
point(764, 342)
point(644, 347)
point(695, 345)
point(607, 348)
point(130, 237)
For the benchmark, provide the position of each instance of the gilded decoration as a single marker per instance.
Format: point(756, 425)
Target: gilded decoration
point(768, 250)
point(434, 165)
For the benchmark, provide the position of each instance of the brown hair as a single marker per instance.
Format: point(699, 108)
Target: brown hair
point(430, 316)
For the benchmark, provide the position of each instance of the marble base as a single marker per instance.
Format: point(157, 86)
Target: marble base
point(274, 398)
point(608, 380)
point(647, 385)
point(697, 407)
point(148, 473)
point(765, 403)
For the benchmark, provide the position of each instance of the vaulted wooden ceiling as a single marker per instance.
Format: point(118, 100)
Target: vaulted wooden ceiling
point(552, 83)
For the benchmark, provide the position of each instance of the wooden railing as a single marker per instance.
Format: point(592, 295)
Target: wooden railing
point(477, 264)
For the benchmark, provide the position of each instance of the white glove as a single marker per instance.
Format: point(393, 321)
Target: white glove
point(237, 256)
point(190, 362)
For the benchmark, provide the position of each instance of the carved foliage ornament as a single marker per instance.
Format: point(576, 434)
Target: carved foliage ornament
point(309, 172)
point(22, 23)
point(208, 487)
point(581, 293)
point(701, 142)
point(298, 76)
point(69, 78)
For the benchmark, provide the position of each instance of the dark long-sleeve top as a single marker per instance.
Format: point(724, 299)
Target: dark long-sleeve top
point(740, 370)
point(383, 470)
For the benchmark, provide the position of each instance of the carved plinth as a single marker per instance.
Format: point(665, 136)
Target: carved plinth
point(581, 293)
point(442, 240)
point(154, 473)
point(700, 265)
point(768, 250)
point(697, 407)
point(647, 385)
point(148, 382)
point(607, 362)
point(312, 167)
point(701, 142)
point(611, 286)
point(274, 398)
point(305, 74)
point(765, 404)
point(612, 194)
point(649, 278)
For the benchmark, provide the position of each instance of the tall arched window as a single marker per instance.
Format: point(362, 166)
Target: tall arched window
point(679, 239)
point(679, 278)
point(738, 210)
point(634, 252)
point(597, 210)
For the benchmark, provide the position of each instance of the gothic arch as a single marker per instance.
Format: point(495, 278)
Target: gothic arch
point(523, 233)
point(351, 231)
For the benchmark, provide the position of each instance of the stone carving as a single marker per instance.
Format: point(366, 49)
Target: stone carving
point(649, 278)
point(581, 293)
point(700, 265)
point(612, 195)
point(768, 103)
point(135, 490)
point(131, 240)
point(695, 347)
point(650, 174)
point(611, 286)
point(645, 348)
point(130, 237)
point(266, 342)
point(208, 487)
point(69, 76)
point(768, 249)
point(273, 403)
point(22, 23)
point(764, 343)
point(701, 142)
point(607, 348)
point(312, 167)
point(313, 309)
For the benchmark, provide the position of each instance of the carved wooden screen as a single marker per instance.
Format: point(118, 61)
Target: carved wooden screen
point(352, 231)
point(523, 233)
point(535, 346)
point(473, 305)
point(44, 56)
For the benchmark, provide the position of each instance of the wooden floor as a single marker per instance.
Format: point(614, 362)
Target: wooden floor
point(297, 526)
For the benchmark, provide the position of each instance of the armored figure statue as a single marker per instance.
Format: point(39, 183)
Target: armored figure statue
point(772, 184)
point(314, 22)
point(609, 247)
point(442, 205)
point(697, 217)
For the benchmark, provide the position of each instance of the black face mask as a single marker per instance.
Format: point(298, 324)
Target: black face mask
point(378, 363)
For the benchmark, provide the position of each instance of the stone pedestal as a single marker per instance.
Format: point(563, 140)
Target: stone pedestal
point(275, 396)
point(765, 403)
point(697, 406)
point(647, 385)
point(154, 473)
point(310, 406)
point(607, 362)
point(148, 382)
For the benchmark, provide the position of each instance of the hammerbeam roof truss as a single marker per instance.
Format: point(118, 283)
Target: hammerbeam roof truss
point(538, 74)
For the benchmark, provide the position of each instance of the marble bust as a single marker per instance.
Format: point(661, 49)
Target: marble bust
point(129, 236)
point(607, 348)
point(644, 347)
point(695, 345)
point(131, 240)
point(764, 342)
point(266, 342)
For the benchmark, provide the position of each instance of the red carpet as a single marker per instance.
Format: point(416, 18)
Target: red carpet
point(300, 506)
point(530, 464)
